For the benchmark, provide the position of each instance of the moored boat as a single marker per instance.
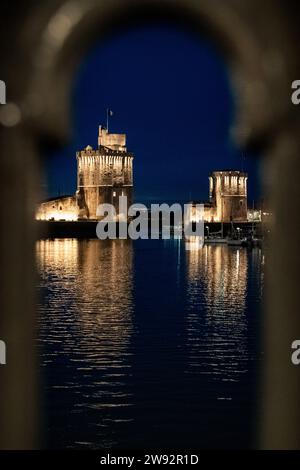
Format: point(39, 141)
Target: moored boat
point(237, 242)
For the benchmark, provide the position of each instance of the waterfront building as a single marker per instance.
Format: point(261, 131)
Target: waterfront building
point(103, 175)
point(227, 198)
point(106, 173)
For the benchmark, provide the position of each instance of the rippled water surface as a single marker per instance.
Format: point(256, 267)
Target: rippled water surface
point(144, 344)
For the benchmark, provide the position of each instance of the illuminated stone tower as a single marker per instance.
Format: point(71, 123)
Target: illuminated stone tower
point(228, 195)
point(103, 174)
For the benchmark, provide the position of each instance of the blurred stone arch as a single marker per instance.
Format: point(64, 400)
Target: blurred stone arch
point(261, 44)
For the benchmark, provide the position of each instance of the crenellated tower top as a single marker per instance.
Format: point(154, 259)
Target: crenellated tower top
point(112, 141)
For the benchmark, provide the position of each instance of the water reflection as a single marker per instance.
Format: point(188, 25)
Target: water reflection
point(148, 344)
point(86, 326)
point(216, 321)
point(223, 272)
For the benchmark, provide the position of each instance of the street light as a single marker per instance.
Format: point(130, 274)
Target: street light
point(207, 228)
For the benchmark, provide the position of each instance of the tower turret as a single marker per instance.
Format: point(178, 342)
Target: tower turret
point(104, 174)
point(111, 141)
point(228, 194)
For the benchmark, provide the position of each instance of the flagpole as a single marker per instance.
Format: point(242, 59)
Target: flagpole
point(243, 160)
point(107, 119)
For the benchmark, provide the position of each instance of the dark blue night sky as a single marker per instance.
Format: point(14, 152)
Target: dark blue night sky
point(171, 95)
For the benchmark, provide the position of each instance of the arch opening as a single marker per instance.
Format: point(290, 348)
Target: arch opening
point(182, 151)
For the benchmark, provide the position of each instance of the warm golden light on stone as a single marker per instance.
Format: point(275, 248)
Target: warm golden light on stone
point(103, 175)
point(227, 199)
